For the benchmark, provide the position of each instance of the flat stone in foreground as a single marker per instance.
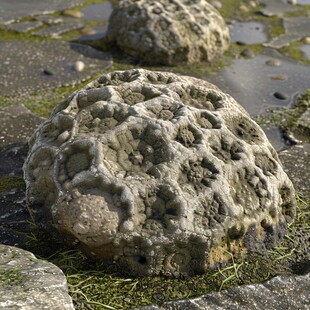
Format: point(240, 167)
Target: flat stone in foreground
point(279, 293)
point(29, 283)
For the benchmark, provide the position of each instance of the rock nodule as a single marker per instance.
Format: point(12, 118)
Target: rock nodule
point(157, 173)
point(169, 32)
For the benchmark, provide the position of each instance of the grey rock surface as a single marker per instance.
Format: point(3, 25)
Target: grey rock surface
point(159, 173)
point(29, 283)
point(11, 11)
point(24, 26)
point(279, 293)
point(55, 30)
point(52, 56)
point(17, 124)
point(296, 161)
point(169, 32)
point(276, 7)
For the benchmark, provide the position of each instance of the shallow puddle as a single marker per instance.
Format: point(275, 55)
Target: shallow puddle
point(248, 32)
point(306, 50)
point(98, 12)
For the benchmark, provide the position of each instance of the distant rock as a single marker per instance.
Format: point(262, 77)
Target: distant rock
point(279, 293)
point(159, 173)
point(169, 33)
point(29, 283)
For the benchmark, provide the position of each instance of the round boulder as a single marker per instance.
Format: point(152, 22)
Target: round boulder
point(169, 32)
point(158, 173)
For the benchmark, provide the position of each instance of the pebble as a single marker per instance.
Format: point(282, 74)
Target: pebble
point(88, 31)
point(253, 4)
point(279, 77)
point(292, 2)
point(72, 13)
point(217, 4)
point(307, 40)
point(79, 66)
point(280, 95)
point(247, 53)
point(48, 72)
point(273, 62)
point(243, 8)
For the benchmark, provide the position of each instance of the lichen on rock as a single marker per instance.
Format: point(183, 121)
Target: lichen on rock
point(158, 173)
point(169, 32)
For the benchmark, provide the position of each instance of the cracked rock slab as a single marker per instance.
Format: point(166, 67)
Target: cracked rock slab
point(296, 28)
point(11, 11)
point(158, 173)
point(48, 63)
point(29, 283)
point(169, 32)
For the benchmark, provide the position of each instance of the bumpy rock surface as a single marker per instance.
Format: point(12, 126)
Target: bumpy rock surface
point(29, 283)
point(159, 173)
point(169, 32)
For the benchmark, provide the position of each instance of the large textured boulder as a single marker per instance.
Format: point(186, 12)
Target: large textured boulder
point(158, 173)
point(169, 32)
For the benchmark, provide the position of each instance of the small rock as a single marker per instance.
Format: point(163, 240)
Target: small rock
point(72, 13)
point(48, 72)
point(307, 40)
point(247, 53)
point(253, 4)
point(293, 2)
point(217, 4)
point(243, 8)
point(280, 95)
point(279, 77)
point(79, 66)
point(88, 31)
point(273, 62)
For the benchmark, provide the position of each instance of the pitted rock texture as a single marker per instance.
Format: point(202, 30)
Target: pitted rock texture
point(169, 32)
point(158, 173)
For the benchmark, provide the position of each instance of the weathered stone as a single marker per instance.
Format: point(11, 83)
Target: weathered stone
point(29, 283)
point(296, 161)
point(282, 292)
point(169, 32)
point(159, 173)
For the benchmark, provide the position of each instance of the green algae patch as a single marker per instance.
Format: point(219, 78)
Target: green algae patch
point(12, 277)
point(8, 182)
point(293, 51)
